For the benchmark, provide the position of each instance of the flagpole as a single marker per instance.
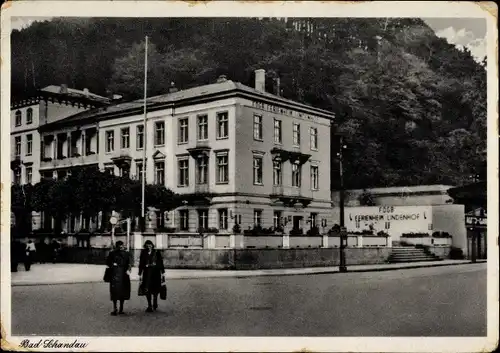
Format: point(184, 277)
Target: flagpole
point(144, 169)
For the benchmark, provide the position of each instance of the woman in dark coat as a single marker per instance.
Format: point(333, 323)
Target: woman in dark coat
point(119, 286)
point(151, 270)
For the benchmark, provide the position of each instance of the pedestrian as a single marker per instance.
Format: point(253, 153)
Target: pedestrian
point(41, 251)
point(55, 247)
point(119, 265)
point(151, 274)
point(29, 254)
point(16, 254)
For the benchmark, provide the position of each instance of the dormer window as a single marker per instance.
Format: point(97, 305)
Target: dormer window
point(19, 118)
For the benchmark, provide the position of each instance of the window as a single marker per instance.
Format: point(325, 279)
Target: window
point(277, 172)
point(203, 127)
point(139, 171)
point(139, 143)
point(277, 219)
point(202, 169)
point(257, 127)
point(222, 125)
point(314, 177)
point(223, 218)
point(183, 172)
point(296, 175)
point(125, 171)
point(29, 175)
point(314, 138)
point(29, 144)
point(313, 218)
point(125, 134)
point(257, 218)
point(109, 169)
point(184, 219)
point(88, 143)
point(110, 141)
point(29, 116)
point(222, 168)
point(183, 130)
point(18, 146)
point(277, 131)
point(296, 134)
point(17, 176)
point(159, 133)
point(203, 219)
point(19, 118)
point(160, 173)
point(257, 170)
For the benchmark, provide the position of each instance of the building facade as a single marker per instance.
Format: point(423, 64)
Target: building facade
point(51, 104)
point(241, 156)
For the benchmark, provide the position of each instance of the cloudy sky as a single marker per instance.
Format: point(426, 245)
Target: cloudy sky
point(463, 32)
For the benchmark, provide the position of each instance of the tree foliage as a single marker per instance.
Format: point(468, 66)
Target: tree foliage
point(412, 106)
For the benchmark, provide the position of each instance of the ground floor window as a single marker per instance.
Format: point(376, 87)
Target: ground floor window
point(203, 219)
point(184, 219)
point(277, 219)
point(223, 218)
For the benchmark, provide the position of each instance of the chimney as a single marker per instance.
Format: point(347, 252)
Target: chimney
point(64, 89)
point(278, 86)
point(222, 78)
point(260, 80)
point(172, 88)
point(86, 92)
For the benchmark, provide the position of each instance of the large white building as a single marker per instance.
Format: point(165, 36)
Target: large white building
point(240, 155)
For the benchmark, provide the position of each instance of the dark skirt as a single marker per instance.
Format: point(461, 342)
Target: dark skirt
point(151, 280)
point(119, 286)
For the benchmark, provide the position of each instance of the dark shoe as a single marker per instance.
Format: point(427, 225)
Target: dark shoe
point(149, 309)
point(155, 306)
point(121, 313)
point(113, 313)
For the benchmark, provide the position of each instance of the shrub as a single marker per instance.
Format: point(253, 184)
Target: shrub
point(456, 253)
point(382, 234)
point(415, 235)
point(297, 231)
point(236, 229)
point(314, 231)
point(441, 235)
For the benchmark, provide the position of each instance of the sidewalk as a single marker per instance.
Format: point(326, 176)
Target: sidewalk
point(41, 274)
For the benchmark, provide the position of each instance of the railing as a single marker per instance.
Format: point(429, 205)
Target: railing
point(292, 191)
point(70, 161)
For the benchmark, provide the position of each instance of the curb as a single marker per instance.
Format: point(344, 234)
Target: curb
point(262, 274)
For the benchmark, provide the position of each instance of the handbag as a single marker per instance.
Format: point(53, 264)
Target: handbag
point(107, 275)
point(163, 289)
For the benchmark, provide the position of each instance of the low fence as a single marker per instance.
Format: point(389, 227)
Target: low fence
point(242, 259)
point(429, 241)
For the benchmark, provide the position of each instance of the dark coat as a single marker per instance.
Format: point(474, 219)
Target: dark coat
point(151, 268)
point(119, 286)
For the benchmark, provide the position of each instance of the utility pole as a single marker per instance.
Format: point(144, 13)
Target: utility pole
point(144, 135)
point(343, 231)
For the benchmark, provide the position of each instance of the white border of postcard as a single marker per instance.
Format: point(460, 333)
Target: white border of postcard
point(432, 9)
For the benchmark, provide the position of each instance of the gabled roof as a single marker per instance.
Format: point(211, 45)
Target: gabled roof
point(72, 92)
point(182, 97)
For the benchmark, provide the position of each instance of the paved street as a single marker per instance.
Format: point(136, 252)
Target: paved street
point(439, 301)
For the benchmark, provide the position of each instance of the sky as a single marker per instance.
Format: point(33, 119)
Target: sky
point(463, 32)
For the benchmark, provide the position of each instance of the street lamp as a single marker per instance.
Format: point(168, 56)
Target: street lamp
point(343, 231)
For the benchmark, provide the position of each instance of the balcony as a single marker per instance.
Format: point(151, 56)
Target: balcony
point(202, 188)
point(65, 162)
point(15, 163)
point(292, 155)
point(290, 196)
point(201, 148)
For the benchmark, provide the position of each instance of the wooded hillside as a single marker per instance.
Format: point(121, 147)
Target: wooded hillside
point(413, 107)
